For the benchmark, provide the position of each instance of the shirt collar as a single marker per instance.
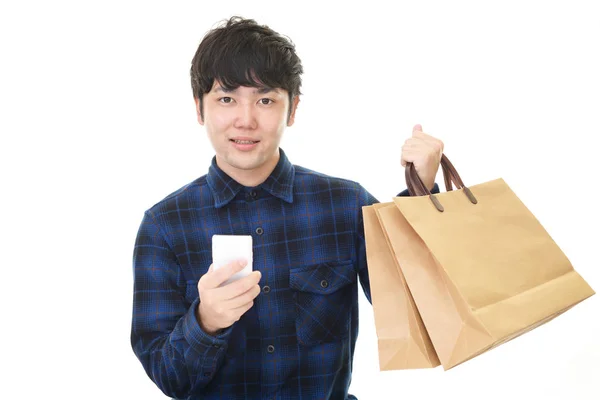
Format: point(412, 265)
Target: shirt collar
point(279, 183)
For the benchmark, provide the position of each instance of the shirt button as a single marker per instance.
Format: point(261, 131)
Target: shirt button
point(266, 289)
point(207, 374)
point(259, 231)
point(324, 283)
point(270, 348)
point(253, 194)
point(217, 346)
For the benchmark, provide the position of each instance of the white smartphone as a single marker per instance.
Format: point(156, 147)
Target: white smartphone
point(228, 248)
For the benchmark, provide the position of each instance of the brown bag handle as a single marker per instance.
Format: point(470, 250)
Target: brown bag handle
point(416, 187)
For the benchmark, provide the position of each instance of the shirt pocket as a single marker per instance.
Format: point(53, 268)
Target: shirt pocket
point(324, 295)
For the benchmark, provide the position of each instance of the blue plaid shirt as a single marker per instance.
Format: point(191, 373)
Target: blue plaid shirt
point(298, 340)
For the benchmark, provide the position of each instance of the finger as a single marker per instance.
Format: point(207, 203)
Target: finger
point(216, 277)
point(243, 298)
point(418, 127)
point(423, 137)
point(435, 142)
point(235, 314)
point(412, 143)
point(430, 145)
point(238, 312)
point(234, 289)
point(418, 148)
point(405, 156)
point(423, 144)
point(410, 156)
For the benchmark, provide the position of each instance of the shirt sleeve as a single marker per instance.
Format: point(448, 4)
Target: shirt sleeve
point(175, 352)
point(366, 199)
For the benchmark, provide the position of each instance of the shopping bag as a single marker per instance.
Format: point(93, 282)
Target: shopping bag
point(481, 268)
point(403, 342)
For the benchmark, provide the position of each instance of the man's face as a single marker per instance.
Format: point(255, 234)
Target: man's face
point(245, 126)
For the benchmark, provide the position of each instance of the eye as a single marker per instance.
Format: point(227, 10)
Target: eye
point(266, 101)
point(226, 100)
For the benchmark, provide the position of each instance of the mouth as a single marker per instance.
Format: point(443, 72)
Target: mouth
point(244, 144)
point(244, 141)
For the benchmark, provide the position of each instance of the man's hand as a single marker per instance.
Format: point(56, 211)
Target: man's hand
point(425, 152)
point(219, 306)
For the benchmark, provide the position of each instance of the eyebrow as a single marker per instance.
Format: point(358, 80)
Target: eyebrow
point(261, 90)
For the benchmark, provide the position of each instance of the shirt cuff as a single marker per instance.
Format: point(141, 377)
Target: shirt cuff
point(405, 193)
point(202, 342)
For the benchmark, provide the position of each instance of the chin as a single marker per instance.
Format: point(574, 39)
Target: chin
point(245, 164)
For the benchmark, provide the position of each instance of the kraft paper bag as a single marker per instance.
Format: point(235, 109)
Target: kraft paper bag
point(403, 342)
point(481, 268)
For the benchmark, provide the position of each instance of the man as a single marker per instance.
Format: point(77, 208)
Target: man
point(288, 330)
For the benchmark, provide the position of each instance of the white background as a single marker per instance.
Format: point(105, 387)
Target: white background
point(98, 124)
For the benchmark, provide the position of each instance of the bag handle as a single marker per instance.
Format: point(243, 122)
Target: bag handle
point(416, 187)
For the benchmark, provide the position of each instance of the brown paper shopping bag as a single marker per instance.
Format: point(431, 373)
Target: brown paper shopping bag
point(403, 342)
point(481, 268)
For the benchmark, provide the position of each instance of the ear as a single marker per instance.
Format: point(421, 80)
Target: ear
point(294, 106)
point(198, 113)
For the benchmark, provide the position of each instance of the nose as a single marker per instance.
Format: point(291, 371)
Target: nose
point(246, 117)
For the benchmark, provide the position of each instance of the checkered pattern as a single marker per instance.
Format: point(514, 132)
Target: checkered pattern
point(298, 339)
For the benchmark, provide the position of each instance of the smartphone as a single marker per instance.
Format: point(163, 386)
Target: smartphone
point(228, 248)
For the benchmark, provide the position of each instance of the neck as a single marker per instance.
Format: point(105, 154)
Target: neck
point(250, 177)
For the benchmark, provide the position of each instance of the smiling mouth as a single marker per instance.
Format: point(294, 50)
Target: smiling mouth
point(243, 141)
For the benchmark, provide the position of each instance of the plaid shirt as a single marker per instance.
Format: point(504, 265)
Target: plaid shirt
point(298, 340)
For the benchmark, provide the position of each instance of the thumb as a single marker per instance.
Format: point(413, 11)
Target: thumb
point(418, 127)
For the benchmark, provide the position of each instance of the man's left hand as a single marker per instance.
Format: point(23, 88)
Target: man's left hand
point(425, 152)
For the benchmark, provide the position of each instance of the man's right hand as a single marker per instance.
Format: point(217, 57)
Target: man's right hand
point(221, 306)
